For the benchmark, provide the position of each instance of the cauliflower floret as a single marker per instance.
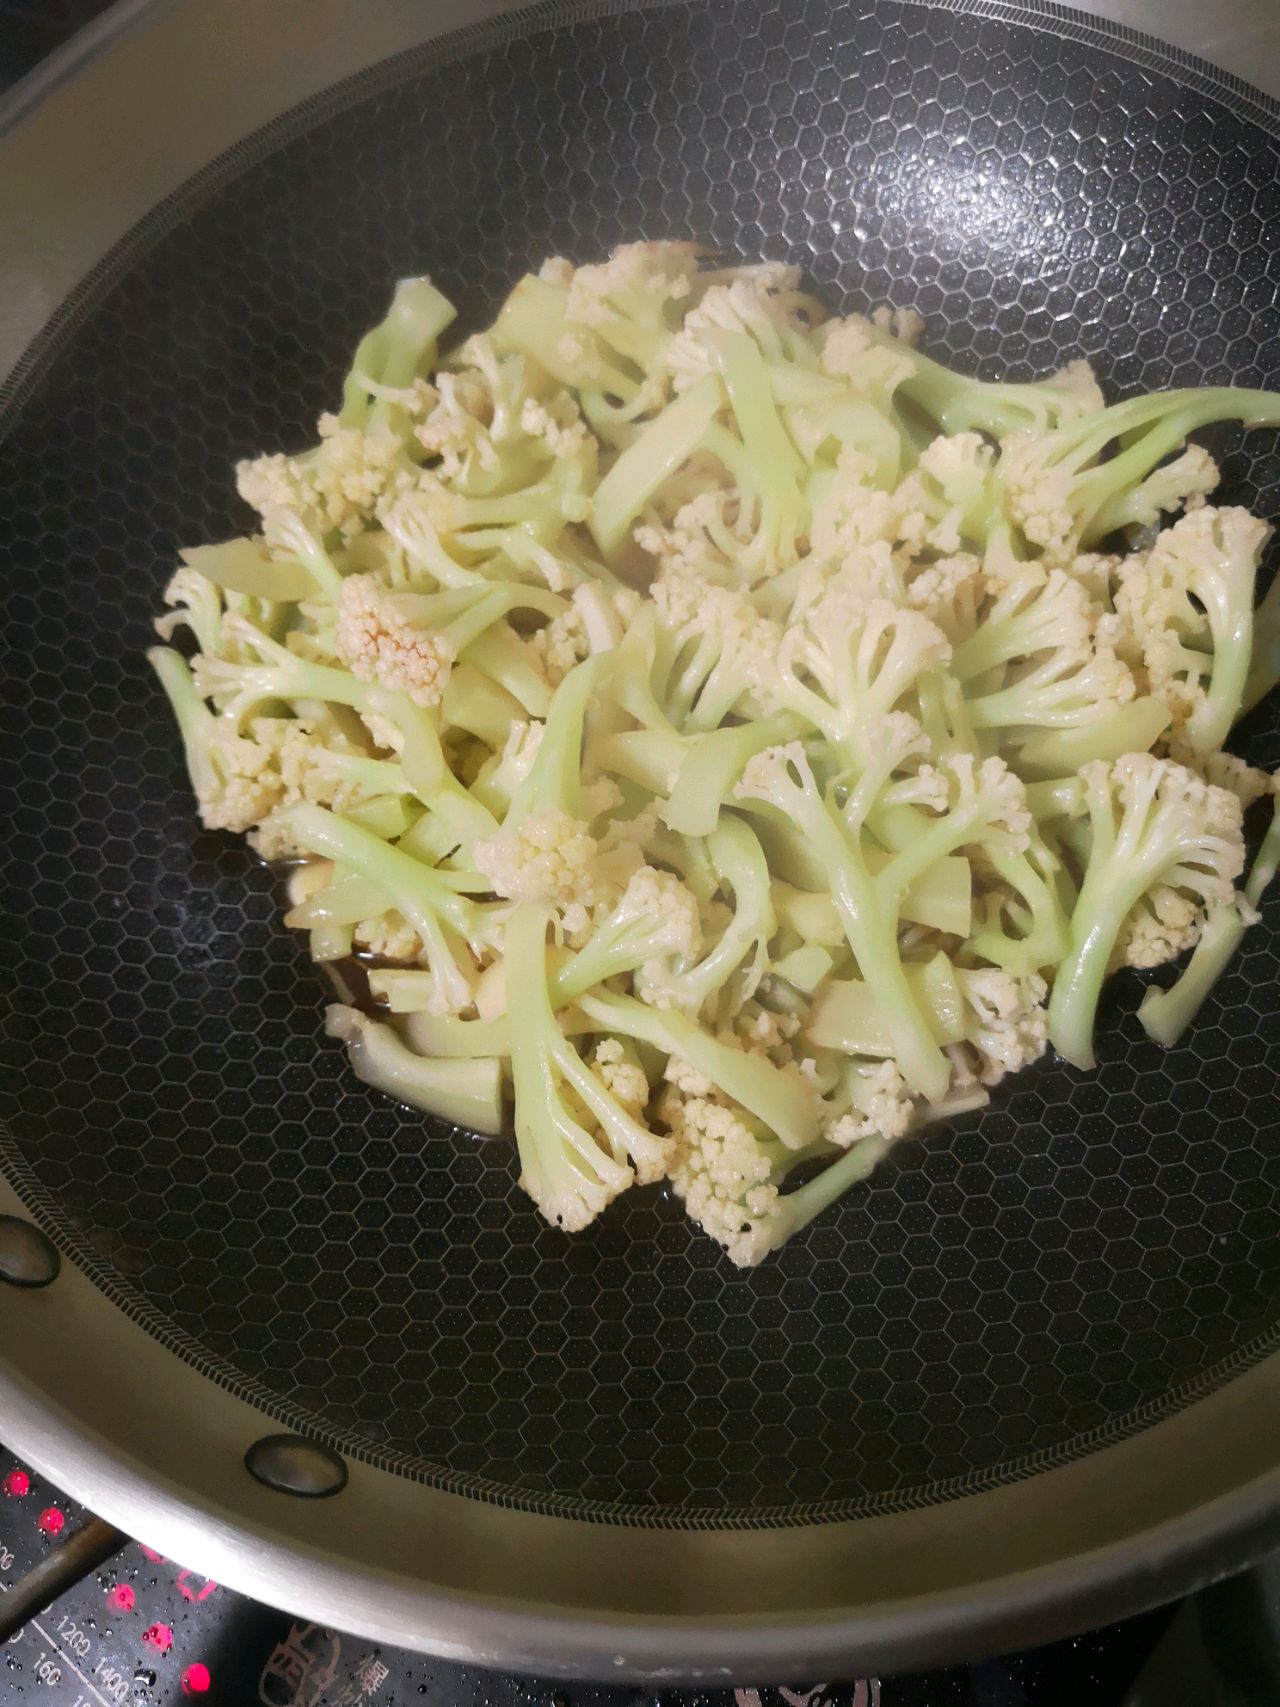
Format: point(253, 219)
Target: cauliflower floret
point(854, 513)
point(383, 732)
point(561, 644)
point(662, 271)
point(985, 791)
point(389, 937)
point(719, 1172)
point(1183, 483)
point(550, 857)
point(1151, 823)
point(623, 1077)
point(195, 603)
point(905, 324)
point(273, 839)
point(1079, 391)
point(457, 428)
point(687, 1079)
point(701, 534)
point(1096, 572)
point(763, 1032)
point(310, 764)
point(631, 304)
point(1225, 770)
point(557, 424)
point(1161, 926)
point(660, 895)
point(883, 1104)
point(381, 646)
point(961, 463)
point(950, 592)
point(1010, 1023)
point(1186, 610)
point(242, 783)
point(343, 481)
point(732, 640)
point(754, 306)
point(849, 349)
point(1038, 493)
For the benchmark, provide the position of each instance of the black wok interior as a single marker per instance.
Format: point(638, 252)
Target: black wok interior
point(1092, 1252)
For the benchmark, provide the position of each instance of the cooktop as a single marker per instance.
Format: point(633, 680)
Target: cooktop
point(143, 1631)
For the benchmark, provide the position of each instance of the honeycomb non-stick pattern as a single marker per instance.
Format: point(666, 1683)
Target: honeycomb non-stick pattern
point(1090, 1253)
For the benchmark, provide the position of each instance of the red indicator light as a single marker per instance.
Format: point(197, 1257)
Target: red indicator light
point(120, 1598)
point(160, 1637)
point(51, 1520)
point(196, 1679)
point(17, 1483)
point(194, 1589)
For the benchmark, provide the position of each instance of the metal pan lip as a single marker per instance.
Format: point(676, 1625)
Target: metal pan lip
point(246, 1547)
point(275, 1552)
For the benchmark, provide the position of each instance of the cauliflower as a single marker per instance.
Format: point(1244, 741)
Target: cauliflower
point(950, 593)
point(654, 922)
point(883, 1105)
point(343, 482)
point(854, 512)
point(195, 603)
point(980, 796)
point(622, 1076)
point(1160, 927)
point(671, 674)
point(1009, 1024)
point(907, 325)
point(548, 857)
point(242, 785)
point(1151, 823)
point(1033, 612)
point(724, 649)
point(730, 1181)
point(1183, 483)
point(382, 645)
point(1225, 770)
point(849, 349)
point(456, 430)
point(1186, 609)
point(718, 1170)
point(594, 622)
point(957, 466)
point(390, 936)
point(766, 1033)
point(757, 306)
point(580, 1143)
point(632, 303)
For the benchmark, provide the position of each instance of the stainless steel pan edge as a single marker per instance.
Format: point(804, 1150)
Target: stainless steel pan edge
point(157, 1448)
point(405, 1563)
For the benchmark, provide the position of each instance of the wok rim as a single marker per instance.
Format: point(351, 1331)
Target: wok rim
point(1157, 1561)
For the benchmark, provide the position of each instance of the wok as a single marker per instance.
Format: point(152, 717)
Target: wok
point(1026, 1379)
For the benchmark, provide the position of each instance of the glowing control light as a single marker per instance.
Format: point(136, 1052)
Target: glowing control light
point(160, 1637)
point(120, 1598)
point(196, 1679)
point(51, 1520)
point(16, 1483)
